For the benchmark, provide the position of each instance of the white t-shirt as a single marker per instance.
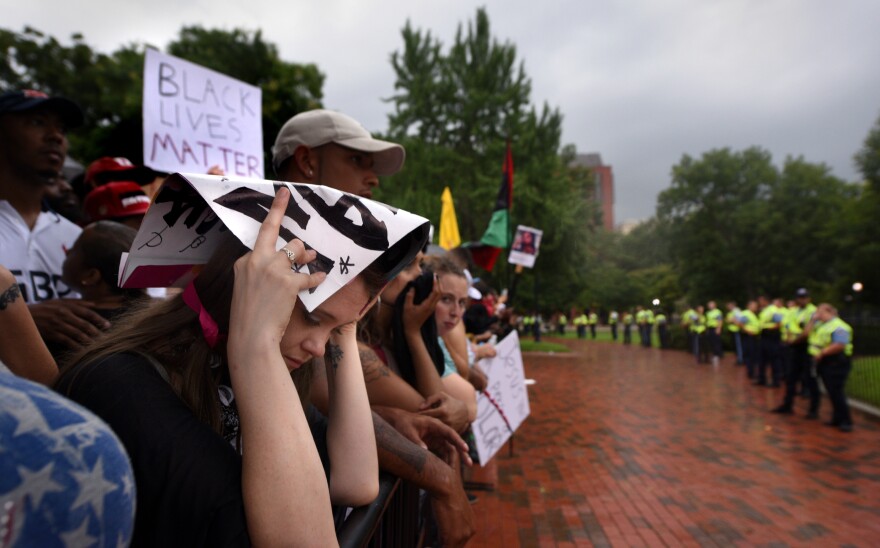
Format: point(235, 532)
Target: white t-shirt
point(35, 257)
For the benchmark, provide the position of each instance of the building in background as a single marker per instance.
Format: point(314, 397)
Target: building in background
point(604, 185)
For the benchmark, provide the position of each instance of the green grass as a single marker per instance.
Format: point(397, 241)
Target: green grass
point(528, 345)
point(864, 380)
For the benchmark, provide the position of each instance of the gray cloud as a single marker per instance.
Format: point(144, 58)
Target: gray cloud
point(642, 82)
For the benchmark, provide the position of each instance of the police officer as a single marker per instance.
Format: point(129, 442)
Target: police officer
point(698, 328)
point(832, 348)
point(770, 318)
point(688, 318)
point(794, 334)
point(627, 327)
point(714, 324)
point(580, 323)
point(732, 321)
point(640, 322)
point(561, 322)
point(662, 328)
point(613, 317)
point(750, 331)
point(593, 321)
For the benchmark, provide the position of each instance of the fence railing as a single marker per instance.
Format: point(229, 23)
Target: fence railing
point(392, 520)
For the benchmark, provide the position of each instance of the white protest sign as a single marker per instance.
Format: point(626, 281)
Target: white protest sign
point(504, 405)
point(180, 230)
point(195, 118)
point(525, 246)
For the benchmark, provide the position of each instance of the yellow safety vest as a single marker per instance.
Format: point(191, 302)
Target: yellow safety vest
point(824, 333)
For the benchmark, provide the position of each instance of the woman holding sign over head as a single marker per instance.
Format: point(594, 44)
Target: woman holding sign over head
point(199, 390)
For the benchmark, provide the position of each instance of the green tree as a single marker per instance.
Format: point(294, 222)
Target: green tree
point(868, 157)
point(109, 87)
point(738, 226)
point(454, 110)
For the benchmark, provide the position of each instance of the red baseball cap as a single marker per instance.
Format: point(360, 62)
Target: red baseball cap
point(116, 201)
point(107, 169)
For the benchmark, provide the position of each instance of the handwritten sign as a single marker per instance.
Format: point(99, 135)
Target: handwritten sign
point(195, 118)
point(180, 230)
point(525, 246)
point(504, 405)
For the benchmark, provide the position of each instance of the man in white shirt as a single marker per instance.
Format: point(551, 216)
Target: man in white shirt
point(34, 241)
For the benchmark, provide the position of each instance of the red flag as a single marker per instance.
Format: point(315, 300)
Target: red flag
point(497, 235)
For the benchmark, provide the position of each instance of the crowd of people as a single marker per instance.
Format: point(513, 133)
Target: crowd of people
point(791, 344)
point(224, 412)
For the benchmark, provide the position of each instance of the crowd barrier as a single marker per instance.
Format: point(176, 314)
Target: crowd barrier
point(392, 520)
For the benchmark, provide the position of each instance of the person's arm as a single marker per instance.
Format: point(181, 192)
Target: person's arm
point(442, 481)
point(21, 347)
point(351, 443)
point(457, 345)
point(414, 315)
point(282, 474)
point(463, 391)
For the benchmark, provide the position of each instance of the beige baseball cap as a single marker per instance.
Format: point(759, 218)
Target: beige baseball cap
point(314, 128)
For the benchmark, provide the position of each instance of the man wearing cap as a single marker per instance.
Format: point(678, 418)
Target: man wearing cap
point(795, 328)
point(329, 148)
point(33, 242)
point(323, 147)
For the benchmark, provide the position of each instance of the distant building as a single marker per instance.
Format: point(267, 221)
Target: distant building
point(604, 185)
point(627, 226)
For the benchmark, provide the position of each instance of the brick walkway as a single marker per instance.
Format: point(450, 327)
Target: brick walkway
point(628, 446)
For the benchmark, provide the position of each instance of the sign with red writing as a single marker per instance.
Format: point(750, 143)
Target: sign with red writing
point(196, 118)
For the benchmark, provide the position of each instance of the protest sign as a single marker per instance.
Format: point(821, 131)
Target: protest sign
point(525, 246)
point(504, 405)
point(180, 230)
point(196, 118)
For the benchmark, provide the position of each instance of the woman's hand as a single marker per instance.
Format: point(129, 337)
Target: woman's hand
point(266, 286)
point(415, 315)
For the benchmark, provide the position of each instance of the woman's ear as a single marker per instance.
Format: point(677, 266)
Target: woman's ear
point(90, 277)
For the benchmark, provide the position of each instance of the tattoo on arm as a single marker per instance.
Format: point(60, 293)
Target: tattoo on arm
point(392, 442)
point(372, 366)
point(8, 297)
point(334, 354)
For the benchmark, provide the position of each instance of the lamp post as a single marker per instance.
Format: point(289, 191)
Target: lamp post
point(857, 288)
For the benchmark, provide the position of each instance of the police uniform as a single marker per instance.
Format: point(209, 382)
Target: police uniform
point(714, 321)
point(731, 320)
point(770, 318)
point(834, 368)
point(750, 332)
point(662, 329)
point(627, 327)
point(797, 359)
point(612, 322)
point(593, 320)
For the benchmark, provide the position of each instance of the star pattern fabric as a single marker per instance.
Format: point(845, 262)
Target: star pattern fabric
point(65, 479)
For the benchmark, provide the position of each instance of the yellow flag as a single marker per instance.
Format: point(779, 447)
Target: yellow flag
point(449, 237)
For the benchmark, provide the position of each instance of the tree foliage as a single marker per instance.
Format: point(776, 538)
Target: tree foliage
point(454, 110)
point(739, 226)
point(109, 87)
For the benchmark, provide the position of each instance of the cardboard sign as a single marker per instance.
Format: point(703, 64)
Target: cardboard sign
point(179, 231)
point(195, 118)
point(504, 405)
point(525, 246)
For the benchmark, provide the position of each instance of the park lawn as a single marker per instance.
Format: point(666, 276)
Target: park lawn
point(864, 380)
point(528, 345)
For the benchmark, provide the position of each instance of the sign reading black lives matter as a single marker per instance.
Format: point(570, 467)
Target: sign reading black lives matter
point(196, 118)
point(526, 244)
point(180, 230)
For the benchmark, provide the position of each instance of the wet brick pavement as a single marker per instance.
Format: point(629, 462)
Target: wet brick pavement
point(628, 446)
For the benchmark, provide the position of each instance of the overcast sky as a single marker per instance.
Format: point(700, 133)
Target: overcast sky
point(641, 82)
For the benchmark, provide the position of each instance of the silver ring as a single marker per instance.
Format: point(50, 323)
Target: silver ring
point(290, 255)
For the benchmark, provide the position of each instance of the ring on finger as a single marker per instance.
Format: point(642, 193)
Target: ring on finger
point(290, 255)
